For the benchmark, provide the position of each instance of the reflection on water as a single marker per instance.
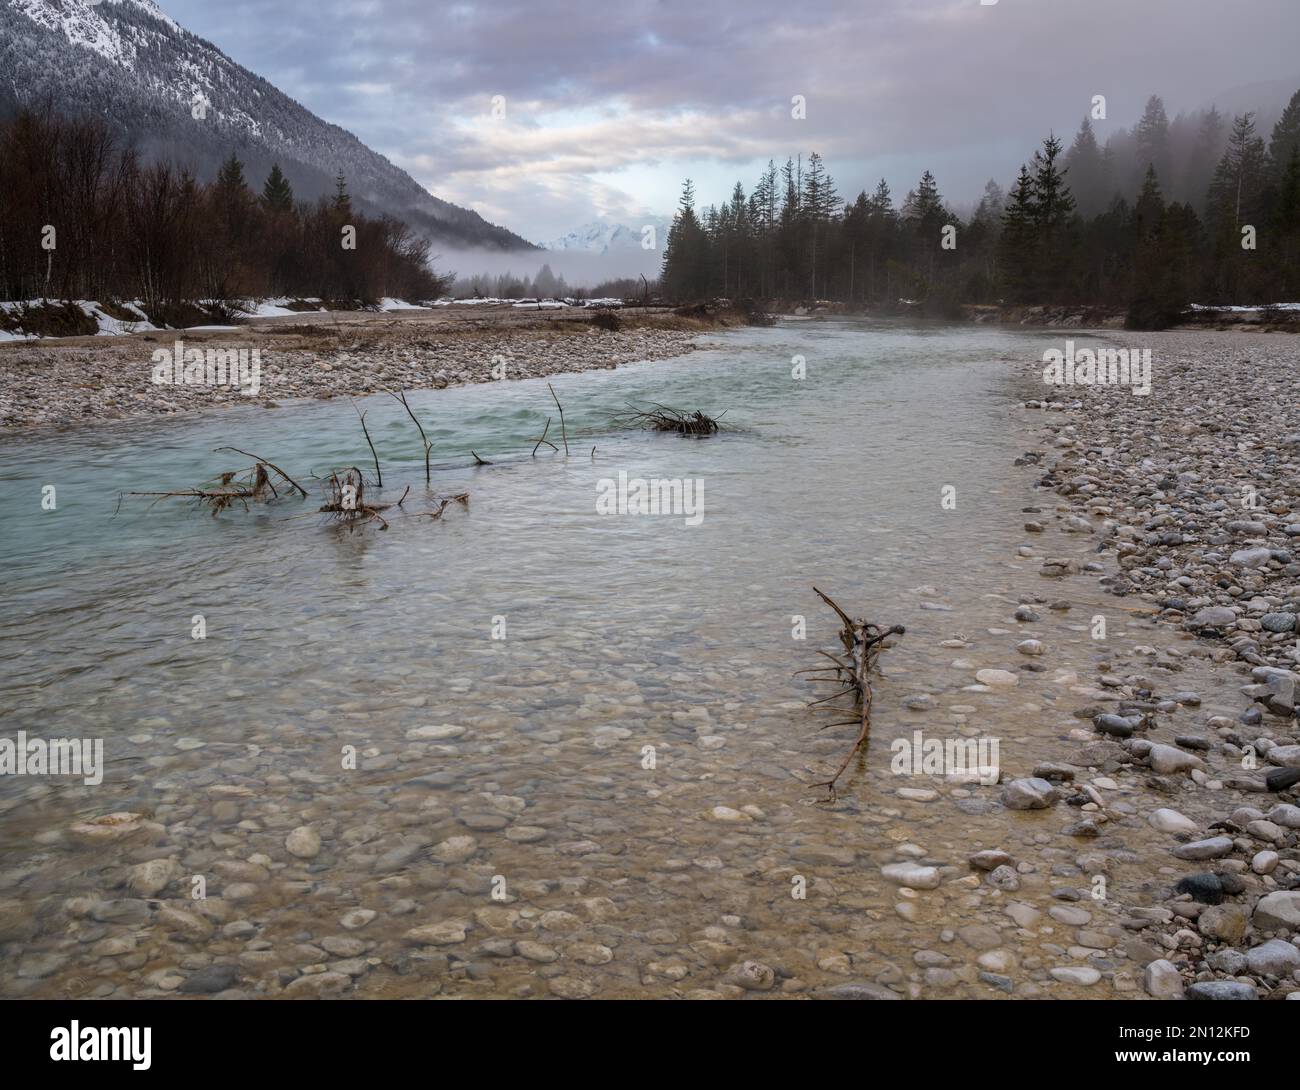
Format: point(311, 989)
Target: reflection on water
point(621, 633)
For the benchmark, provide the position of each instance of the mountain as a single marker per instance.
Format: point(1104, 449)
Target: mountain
point(603, 237)
point(176, 96)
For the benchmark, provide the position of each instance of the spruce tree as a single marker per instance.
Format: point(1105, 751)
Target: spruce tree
point(1053, 212)
point(1238, 178)
point(882, 202)
point(686, 253)
point(1087, 171)
point(1016, 249)
point(277, 193)
point(1286, 230)
point(342, 199)
point(1286, 136)
point(1152, 134)
point(1205, 155)
point(1150, 207)
point(230, 178)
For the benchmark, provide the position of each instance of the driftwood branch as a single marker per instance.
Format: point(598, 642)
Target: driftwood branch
point(461, 497)
point(564, 433)
point(401, 396)
point(862, 643)
point(269, 465)
point(379, 477)
point(235, 487)
point(543, 439)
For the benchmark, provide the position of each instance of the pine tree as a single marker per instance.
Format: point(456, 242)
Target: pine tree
point(232, 205)
point(1016, 250)
point(1238, 178)
point(1286, 230)
point(1152, 134)
point(991, 205)
point(1087, 171)
point(1149, 210)
point(816, 205)
point(856, 233)
point(342, 200)
point(685, 266)
point(1205, 154)
point(277, 193)
point(882, 224)
point(882, 202)
point(980, 245)
point(1286, 136)
point(1054, 202)
point(924, 206)
point(1053, 211)
point(1234, 200)
point(230, 178)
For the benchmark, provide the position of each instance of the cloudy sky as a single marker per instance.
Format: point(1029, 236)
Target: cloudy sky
point(608, 106)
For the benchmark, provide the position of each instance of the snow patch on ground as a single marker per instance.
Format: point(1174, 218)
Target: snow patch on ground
point(528, 304)
point(108, 326)
point(270, 308)
point(1247, 309)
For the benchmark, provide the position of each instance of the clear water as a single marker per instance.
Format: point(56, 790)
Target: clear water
point(621, 632)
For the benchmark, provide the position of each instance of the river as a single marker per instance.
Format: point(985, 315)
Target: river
point(603, 683)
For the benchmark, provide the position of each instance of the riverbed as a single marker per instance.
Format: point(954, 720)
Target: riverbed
point(531, 749)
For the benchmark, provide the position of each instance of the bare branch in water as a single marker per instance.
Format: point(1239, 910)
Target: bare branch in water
point(379, 477)
point(252, 484)
point(863, 643)
point(401, 396)
point(564, 434)
point(543, 439)
point(269, 465)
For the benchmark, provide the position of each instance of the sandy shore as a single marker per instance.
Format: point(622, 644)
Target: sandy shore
point(322, 355)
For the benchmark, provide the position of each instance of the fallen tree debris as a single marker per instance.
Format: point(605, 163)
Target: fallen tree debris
point(251, 484)
point(662, 418)
point(862, 643)
point(347, 502)
point(346, 499)
point(269, 465)
point(461, 497)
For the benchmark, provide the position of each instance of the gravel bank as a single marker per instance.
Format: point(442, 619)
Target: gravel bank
point(1188, 501)
point(85, 380)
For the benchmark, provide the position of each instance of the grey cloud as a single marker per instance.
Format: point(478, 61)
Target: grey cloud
point(892, 86)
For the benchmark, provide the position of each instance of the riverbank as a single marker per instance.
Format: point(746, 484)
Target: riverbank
point(1281, 318)
point(80, 380)
point(1185, 504)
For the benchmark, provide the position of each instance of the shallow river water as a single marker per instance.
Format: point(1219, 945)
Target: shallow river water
point(499, 674)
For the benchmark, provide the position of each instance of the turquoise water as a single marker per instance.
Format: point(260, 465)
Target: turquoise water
point(621, 631)
point(817, 476)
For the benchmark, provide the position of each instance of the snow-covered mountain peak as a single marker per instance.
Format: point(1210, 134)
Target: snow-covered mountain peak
point(603, 237)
